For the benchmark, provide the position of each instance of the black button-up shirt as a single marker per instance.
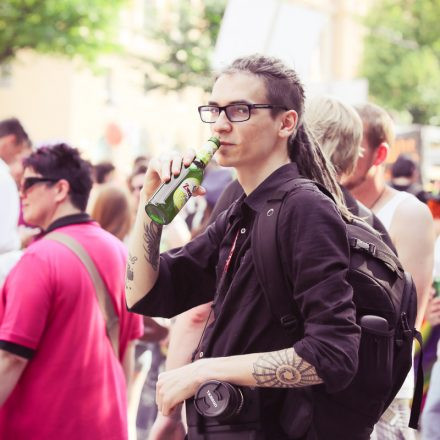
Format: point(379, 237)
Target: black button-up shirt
point(314, 247)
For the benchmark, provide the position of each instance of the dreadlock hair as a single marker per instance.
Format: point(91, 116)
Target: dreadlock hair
point(284, 88)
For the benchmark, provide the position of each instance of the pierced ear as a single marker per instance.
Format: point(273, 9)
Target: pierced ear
point(288, 123)
point(381, 153)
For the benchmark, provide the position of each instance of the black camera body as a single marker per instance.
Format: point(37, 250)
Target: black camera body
point(222, 411)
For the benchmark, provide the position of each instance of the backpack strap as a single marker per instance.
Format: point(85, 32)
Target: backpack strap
point(416, 405)
point(406, 332)
point(268, 265)
point(102, 294)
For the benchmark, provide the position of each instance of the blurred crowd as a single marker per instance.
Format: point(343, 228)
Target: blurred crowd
point(26, 217)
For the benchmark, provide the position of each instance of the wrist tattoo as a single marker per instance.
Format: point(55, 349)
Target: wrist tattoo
point(284, 369)
point(152, 233)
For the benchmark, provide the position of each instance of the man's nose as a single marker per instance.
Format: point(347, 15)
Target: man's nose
point(222, 123)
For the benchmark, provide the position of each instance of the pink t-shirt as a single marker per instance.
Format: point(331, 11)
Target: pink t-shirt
point(73, 387)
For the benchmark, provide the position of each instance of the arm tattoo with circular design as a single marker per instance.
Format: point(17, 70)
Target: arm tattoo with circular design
point(284, 369)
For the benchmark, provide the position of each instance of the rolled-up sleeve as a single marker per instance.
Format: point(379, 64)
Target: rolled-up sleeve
point(319, 261)
point(187, 276)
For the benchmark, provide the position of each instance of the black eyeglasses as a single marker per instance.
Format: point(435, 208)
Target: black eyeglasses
point(31, 181)
point(234, 112)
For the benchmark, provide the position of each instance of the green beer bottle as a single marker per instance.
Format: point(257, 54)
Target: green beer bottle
point(436, 285)
point(171, 196)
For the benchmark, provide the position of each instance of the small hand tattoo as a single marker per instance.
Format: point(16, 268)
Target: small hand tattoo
point(284, 369)
point(152, 233)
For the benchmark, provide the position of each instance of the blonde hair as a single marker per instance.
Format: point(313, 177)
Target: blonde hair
point(112, 210)
point(338, 129)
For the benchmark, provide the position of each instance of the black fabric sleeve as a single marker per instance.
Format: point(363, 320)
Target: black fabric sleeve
point(310, 225)
point(19, 350)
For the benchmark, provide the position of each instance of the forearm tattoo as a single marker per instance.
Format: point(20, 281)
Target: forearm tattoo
point(152, 233)
point(130, 271)
point(284, 369)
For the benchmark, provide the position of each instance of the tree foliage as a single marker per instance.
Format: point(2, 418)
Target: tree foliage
point(402, 57)
point(186, 44)
point(68, 27)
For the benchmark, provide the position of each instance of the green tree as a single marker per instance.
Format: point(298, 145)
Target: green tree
point(186, 43)
point(82, 28)
point(402, 57)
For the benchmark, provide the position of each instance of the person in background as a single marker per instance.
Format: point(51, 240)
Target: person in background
point(60, 376)
point(103, 172)
point(14, 145)
point(338, 130)
point(411, 228)
point(112, 209)
point(405, 176)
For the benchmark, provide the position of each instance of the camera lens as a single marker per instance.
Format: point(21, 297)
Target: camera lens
point(219, 400)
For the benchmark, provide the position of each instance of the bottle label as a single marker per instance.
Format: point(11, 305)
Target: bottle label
point(184, 191)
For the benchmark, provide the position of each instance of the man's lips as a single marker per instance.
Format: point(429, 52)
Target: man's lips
point(225, 144)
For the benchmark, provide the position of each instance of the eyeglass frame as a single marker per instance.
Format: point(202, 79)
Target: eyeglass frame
point(225, 107)
point(33, 180)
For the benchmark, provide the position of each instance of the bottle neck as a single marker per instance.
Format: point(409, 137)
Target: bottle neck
point(204, 155)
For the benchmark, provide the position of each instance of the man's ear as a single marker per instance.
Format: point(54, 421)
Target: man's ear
point(289, 122)
point(381, 153)
point(63, 188)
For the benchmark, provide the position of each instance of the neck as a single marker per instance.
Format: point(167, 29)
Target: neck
point(368, 191)
point(62, 210)
point(250, 177)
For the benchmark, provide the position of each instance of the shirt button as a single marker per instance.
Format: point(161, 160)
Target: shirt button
point(201, 354)
point(243, 230)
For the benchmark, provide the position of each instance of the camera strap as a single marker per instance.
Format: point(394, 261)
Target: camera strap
point(225, 270)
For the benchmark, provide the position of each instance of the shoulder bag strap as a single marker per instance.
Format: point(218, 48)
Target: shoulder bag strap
point(102, 294)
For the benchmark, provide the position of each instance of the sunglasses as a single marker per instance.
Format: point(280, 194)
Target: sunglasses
point(31, 181)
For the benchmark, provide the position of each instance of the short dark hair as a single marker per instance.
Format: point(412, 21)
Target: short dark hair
point(61, 161)
point(404, 166)
point(101, 170)
point(13, 126)
point(378, 125)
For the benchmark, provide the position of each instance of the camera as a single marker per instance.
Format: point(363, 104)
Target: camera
point(218, 400)
point(221, 411)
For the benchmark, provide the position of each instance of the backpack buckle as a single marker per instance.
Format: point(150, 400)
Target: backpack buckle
point(359, 244)
point(405, 326)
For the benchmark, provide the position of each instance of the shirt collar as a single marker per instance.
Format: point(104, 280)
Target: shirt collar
point(258, 197)
point(72, 219)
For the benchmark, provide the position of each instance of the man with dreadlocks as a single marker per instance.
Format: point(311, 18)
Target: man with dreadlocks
point(256, 110)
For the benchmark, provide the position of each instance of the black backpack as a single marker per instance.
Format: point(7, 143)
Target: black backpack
point(384, 296)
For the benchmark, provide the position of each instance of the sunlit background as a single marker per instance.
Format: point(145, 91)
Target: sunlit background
point(123, 78)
